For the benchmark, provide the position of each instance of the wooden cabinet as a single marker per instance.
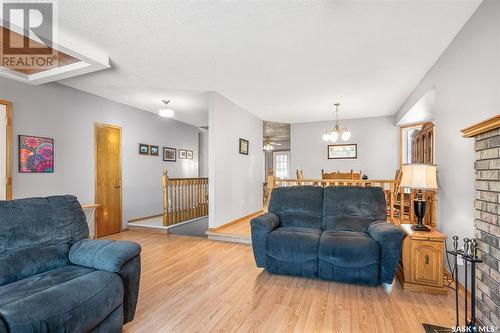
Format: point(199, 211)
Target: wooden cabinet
point(422, 144)
point(421, 265)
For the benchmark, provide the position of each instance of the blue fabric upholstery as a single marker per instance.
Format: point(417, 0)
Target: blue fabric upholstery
point(27, 226)
point(67, 299)
point(345, 240)
point(293, 249)
point(390, 239)
point(300, 206)
point(41, 290)
point(349, 202)
point(107, 255)
point(348, 257)
point(261, 226)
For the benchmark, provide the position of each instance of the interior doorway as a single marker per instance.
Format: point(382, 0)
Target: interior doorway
point(5, 150)
point(108, 179)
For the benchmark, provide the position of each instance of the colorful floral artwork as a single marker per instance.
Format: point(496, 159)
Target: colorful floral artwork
point(36, 154)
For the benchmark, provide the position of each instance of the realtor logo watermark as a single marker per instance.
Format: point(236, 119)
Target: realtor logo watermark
point(27, 36)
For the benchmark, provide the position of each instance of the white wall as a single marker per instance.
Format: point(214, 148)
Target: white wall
point(235, 180)
point(3, 152)
point(466, 79)
point(377, 139)
point(68, 116)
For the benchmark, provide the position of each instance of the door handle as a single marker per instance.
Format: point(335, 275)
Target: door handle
point(117, 186)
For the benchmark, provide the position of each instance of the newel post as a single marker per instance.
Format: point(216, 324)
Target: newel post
point(165, 197)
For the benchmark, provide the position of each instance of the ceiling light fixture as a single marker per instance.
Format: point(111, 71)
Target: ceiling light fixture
point(337, 131)
point(269, 145)
point(166, 112)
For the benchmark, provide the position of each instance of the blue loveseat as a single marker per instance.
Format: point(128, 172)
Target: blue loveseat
point(54, 279)
point(334, 233)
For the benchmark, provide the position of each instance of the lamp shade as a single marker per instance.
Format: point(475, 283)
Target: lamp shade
point(419, 176)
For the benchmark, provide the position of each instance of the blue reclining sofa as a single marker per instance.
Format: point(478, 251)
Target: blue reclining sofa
point(54, 279)
point(333, 233)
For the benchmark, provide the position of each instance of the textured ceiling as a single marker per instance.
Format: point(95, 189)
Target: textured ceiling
point(285, 61)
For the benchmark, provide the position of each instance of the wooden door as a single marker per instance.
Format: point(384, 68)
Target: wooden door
point(108, 193)
point(428, 262)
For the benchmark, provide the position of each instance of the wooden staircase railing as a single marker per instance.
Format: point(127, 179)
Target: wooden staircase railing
point(184, 199)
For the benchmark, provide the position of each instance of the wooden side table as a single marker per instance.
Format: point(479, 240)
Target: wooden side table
point(421, 265)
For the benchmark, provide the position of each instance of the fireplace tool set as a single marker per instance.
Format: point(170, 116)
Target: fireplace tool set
point(469, 254)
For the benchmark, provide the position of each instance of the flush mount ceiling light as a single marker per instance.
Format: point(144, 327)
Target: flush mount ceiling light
point(166, 112)
point(337, 131)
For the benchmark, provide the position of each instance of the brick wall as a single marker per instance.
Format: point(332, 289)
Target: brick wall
point(487, 225)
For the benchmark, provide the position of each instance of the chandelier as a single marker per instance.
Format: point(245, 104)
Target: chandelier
point(337, 131)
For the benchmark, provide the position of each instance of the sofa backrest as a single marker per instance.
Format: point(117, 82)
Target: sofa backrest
point(352, 207)
point(36, 233)
point(298, 206)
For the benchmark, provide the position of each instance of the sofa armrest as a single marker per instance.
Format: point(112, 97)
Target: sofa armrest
point(261, 226)
point(390, 239)
point(267, 222)
point(105, 255)
point(120, 257)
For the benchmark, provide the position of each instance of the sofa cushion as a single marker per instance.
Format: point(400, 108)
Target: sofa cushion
point(24, 262)
point(67, 299)
point(341, 202)
point(36, 234)
point(298, 206)
point(41, 221)
point(347, 223)
point(348, 249)
point(293, 243)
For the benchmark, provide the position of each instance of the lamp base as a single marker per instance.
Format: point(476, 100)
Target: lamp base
point(420, 227)
point(419, 206)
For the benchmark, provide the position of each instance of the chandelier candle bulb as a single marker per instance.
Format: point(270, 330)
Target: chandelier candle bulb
point(337, 131)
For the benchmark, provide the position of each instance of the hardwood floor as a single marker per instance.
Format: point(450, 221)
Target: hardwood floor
point(191, 284)
point(241, 228)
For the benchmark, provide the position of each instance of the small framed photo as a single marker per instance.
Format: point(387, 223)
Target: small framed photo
point(169, 154)
point(347, 151)
point(143, 149)
point(154, 150)
point(182, 154)
point(243, 146)
point(189, 155)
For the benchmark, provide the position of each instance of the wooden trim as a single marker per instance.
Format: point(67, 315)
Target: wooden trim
point(8, 186)
point(96, 124)
point(91, 206)
point(482, 127)
point(257, 213)
point(144, 218)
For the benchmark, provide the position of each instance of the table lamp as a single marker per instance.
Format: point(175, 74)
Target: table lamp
point(420, 177)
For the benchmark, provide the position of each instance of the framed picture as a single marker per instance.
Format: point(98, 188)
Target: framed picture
point(182, 154)
point(36, 154)
point(189, 155)
point(143, 149)
point(154, 150)
point(243, 146)
point(169, 154)
point(347, 151)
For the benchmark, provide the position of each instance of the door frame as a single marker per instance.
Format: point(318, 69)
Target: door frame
point(402, 128)
point(96, 125)
point(8, 169)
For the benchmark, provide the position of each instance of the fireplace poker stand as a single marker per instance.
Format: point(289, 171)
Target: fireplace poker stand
point(469, 254)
